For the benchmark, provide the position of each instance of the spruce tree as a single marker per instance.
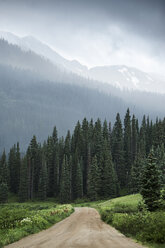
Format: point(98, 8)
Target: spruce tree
point(142, 138)
point(23, 185)
point(51, 166)
point(108, 174)
point(127, 146)
point(136, 170)
point(93, 180)
point(79, 180)
point(134, 139)
point(43, 181)
point(3, 192)
point(160, 155)
point(4, 170)
point(150, 184)
point(65, 186)
point(85, 138)
point(117, 151)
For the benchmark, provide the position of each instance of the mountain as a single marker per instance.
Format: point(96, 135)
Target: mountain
point(120, 76)
point(35, 95)
point(30, 106)
point(29, 43)
point(130, 78)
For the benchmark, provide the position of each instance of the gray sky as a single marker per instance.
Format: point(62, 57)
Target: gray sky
point(95, 32)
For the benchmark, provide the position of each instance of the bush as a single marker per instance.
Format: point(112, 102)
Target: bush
point(3, 192)
point(144, 226)
point(163, 194)
point(17, 220)
point(10, 218)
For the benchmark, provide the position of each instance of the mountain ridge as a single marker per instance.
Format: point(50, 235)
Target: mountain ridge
point(120, 76)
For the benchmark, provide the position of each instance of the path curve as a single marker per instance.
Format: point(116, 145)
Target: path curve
point(82, 229)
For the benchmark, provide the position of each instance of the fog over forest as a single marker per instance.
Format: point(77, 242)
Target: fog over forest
point(61, 61)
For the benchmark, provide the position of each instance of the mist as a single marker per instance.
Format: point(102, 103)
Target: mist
point(94, 32)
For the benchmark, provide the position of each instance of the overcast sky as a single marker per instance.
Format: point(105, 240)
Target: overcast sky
point(94, 32)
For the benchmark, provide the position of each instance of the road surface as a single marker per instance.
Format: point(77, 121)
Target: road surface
point(83, 229)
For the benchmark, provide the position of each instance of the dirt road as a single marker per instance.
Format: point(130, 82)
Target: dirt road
point(83, 229)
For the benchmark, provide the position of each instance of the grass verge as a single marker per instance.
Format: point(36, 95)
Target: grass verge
point(144, 226)
point(19, 220)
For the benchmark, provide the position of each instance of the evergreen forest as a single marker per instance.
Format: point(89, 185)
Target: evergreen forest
point(96, 161)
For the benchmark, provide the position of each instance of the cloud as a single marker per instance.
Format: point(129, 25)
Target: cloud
point(130, 32)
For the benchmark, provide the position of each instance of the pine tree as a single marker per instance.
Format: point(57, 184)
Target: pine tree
point(79, 181)
point(98, 140)
point(85, 137)
point(118, 152)
point(4, 170)
point(136, 170)
point(43, 180)
point(134, 139)
point(65, 186)
point(3, 192)
point(142, 138)
point(93, 180)
point(51, 166)
point(108, 174)
point(127, 145)
point(160, 155)
point(77, 177)
point(23, 185)
point(33, 160)
point(150, 184)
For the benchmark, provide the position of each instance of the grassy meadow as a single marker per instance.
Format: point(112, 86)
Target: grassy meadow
point(18, 220)
point(128, 215)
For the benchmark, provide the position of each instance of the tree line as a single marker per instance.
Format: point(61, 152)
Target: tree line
point(96, 161)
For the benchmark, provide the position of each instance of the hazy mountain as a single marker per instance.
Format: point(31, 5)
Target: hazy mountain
point(29, 43)
point(35, 95)
point(125, 77)
point(120, 76)
point(30, 106)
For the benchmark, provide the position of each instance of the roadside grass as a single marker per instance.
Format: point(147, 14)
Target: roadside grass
point(144, 226)
point(18, 220)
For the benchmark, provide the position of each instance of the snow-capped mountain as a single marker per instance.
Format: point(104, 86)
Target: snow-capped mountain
point(130, 78)
point(33, 44)
point(120, 76)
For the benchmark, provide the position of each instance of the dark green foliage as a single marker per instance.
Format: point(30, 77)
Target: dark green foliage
point(45, 170)
point(144, 227)
point(4, 170)
point(65, 187)
point(34, 163)
point(43, 182)
point(150, 183)
point(135, 183)
point(3, 192)
point(108, 174)
point(23, 186)
point(93, 180)
point(79, 181)
point(19, 220)
point(134, 138)
point(127, 146)
point(118, 151)
point(160, 155)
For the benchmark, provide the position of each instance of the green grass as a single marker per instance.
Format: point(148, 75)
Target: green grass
point(18, 220)
point(123, 214)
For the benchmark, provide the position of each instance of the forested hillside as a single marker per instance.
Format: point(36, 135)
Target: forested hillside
point(97, 161)
point(35, 95)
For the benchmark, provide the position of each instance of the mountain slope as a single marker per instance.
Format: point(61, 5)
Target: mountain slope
point(29, 43)
point(125, 77)
point(35, 95)
point(30, 106)
point(120, 76)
